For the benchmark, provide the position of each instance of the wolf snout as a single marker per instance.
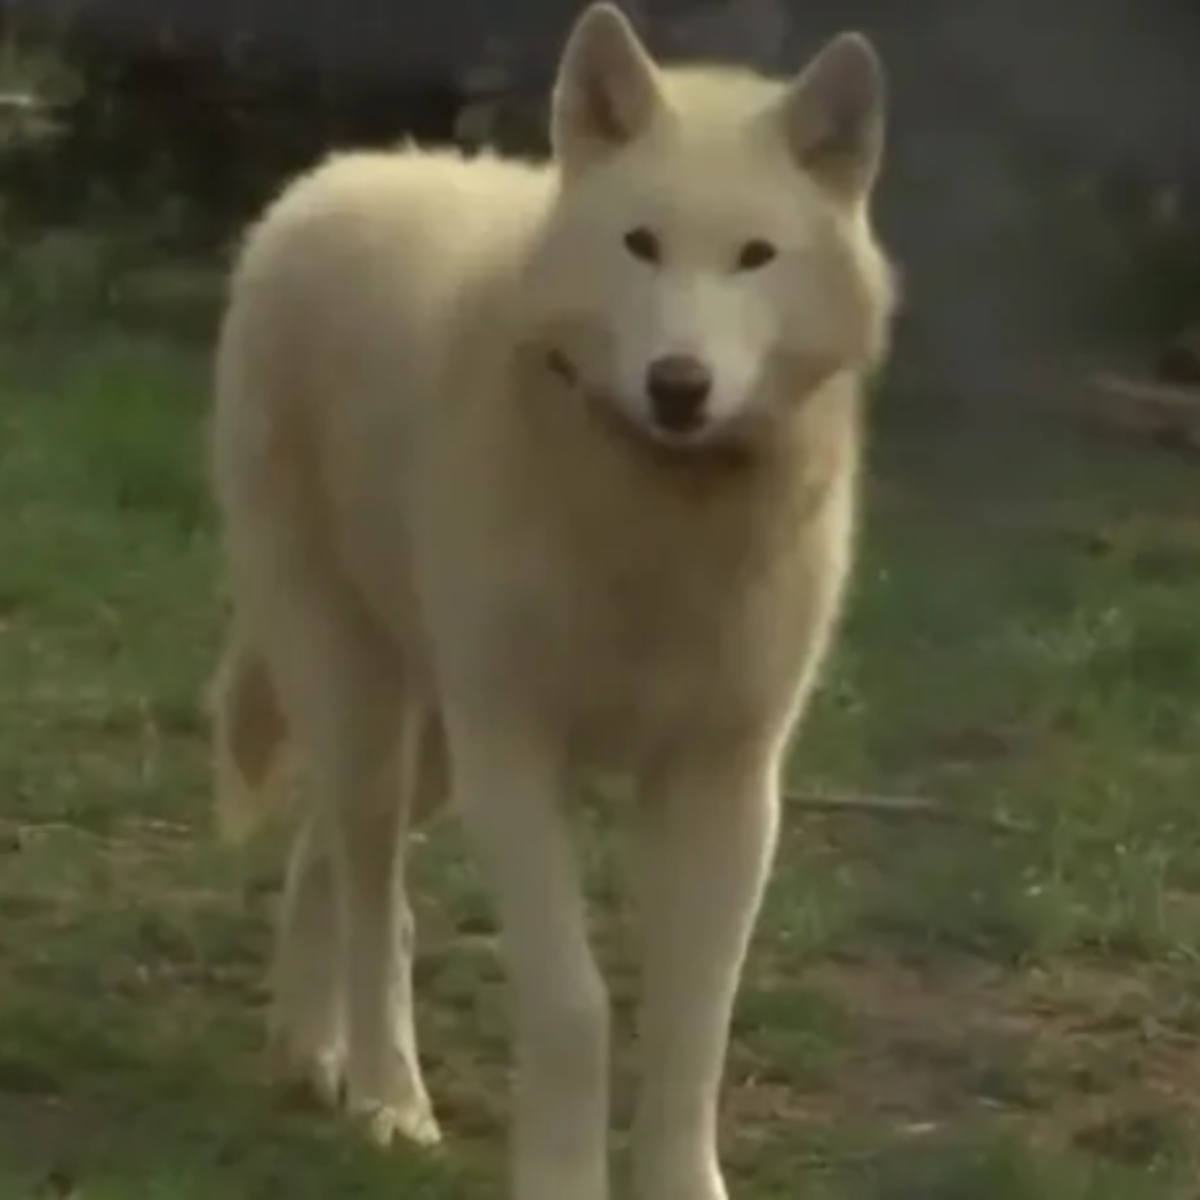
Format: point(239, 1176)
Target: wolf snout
point(678, 386)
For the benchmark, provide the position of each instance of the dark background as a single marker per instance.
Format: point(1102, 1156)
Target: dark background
point(1040, 198)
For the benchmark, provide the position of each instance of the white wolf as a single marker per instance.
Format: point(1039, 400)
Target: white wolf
point(525, 471)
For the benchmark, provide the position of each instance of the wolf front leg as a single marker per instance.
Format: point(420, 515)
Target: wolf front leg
point(508, 787)
point(711, 829)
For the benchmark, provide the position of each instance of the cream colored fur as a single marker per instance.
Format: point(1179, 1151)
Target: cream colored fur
point(465, 561)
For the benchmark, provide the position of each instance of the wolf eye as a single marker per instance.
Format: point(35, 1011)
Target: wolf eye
point(754, 254)
point(642, 244)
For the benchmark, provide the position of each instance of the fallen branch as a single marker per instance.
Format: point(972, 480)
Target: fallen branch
point(917, 807)
point(15, 832)
point(1164, 413)
point(1160, 397)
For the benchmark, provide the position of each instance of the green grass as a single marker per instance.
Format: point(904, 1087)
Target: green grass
point(1000, 1006)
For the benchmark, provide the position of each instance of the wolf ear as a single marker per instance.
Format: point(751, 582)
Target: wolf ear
point(607, 91)
point(834, 114)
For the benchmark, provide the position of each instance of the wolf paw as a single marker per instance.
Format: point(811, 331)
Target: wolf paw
point(387, 1124)
point(317, 1073)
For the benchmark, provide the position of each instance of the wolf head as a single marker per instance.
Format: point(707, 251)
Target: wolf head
point(708, 259)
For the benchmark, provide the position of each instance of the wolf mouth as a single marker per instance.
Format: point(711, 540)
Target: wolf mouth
point(708, 448)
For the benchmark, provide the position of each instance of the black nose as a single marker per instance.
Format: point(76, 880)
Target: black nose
point(678, 386)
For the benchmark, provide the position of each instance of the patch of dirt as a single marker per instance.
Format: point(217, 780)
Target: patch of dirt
point(45, 1133)
point(1102, 1057)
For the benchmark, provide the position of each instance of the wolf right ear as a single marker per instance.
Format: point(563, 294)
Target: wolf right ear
point(607, 90)
point(834, 115)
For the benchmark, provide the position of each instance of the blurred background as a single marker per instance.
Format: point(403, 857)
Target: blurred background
point(1041, 197)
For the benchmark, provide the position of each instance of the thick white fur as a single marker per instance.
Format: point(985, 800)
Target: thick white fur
point(461, 560)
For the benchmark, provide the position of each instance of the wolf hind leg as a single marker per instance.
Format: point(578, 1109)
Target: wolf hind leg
point(343, 988)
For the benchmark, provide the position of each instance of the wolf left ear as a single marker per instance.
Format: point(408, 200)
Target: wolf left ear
point(834, 114)
point(607, 90)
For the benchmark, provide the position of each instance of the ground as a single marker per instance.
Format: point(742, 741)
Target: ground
point(995, 1000)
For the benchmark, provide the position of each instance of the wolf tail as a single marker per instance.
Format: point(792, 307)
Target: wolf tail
point(249, 735)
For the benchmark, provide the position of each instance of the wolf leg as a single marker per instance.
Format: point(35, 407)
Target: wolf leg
point(508, 788)
point(707, 849)
point(341, 686)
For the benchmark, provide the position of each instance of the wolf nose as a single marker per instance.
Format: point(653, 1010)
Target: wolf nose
point(678, 385)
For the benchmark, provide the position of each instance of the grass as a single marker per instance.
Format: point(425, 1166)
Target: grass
point(942, 1010)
